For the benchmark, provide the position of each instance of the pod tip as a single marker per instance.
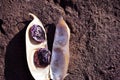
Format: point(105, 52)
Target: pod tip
point(31, 14)
point(61, 21)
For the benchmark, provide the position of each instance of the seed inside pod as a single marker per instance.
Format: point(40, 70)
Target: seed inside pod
point(37, 33)
point(42, 57)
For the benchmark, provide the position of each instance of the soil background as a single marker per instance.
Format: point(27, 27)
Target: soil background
point(94, 40)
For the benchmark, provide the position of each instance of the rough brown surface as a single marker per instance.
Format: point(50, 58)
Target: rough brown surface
point(94, 42)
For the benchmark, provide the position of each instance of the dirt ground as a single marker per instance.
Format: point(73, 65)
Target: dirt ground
point(94, 42)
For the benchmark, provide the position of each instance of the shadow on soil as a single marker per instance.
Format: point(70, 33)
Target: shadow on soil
point(15, 59)
point(1, 29)
point(50, 35)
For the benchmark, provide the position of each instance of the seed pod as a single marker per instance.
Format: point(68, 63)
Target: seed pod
point(35, 40)
point(60, 52)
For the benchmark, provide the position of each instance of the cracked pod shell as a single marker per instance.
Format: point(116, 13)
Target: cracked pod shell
point(60, 51)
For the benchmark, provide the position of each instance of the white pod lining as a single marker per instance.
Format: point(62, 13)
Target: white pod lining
point(39, 73)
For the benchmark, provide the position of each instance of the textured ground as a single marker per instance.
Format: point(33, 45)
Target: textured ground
point(94, 42)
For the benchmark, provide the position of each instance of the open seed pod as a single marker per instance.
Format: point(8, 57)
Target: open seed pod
point(38, 56)
point(60, 52)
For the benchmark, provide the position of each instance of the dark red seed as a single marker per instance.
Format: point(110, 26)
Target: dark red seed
point(42, 57)
point(37, 33)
